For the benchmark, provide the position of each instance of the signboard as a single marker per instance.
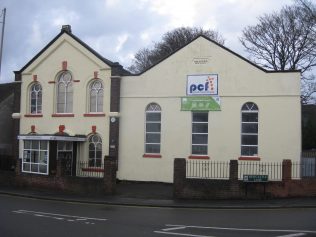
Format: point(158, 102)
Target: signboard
point(251, 178)
point(205, 84)
point(200, 103)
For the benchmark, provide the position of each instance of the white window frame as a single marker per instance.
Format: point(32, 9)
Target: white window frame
point(251, 107)
point(38, 98)
point(96, 86)
point(95, 142)
point(65, 80)
point(153, 108)
point(199, 133)
point(28, 160)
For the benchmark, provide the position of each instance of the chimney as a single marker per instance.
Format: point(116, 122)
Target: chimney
point(66, 28)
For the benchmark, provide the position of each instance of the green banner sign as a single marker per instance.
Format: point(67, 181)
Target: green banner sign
point(200, 103)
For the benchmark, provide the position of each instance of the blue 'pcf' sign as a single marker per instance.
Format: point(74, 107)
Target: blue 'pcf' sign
point(205, 84)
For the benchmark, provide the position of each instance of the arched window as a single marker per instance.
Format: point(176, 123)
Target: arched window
point(249, 129)
point(36, 99)
point(153, 129)
point(96, 96)
point(64, 93)
point(95, 151)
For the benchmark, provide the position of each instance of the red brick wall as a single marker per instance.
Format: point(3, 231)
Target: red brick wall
point(185, 188)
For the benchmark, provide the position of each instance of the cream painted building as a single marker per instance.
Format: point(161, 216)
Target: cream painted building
point(202, 102)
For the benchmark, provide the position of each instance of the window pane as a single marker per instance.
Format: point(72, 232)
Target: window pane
point(35, 144)
point(43, 157)
point(199, 150)
point(153, 117)
point(153, 127)
point(26, 167)
point(249, 150)
point(27, 144)
point(249, 117)
point(199, 138)
point(152, 148)
point(91, 154)
point(98, 154)
point(34, 156)
point(44, 145)
point(43, 168)
point(34, 168)
point(200, 128)
point(100, 101)
point(93, 102)
point(249, 140)
point(26, 156)
point(249, 128)
point(200, 117)
point(153, 138)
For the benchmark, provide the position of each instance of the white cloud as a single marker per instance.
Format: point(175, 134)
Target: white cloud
point(121, 41)
point(180, 12)
point(63, 16)
point(36, 37)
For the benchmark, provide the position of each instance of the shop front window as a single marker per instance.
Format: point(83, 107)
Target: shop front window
point(35, 157)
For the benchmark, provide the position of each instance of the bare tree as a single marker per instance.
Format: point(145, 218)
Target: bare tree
point(282, 41)
point(285, 40)
point(170, 42)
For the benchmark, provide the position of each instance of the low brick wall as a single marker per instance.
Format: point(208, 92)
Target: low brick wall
point(59, 182)
point(189, 188)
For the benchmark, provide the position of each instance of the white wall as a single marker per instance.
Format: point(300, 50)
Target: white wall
point(276, 94)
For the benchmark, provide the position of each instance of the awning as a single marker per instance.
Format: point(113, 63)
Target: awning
point(76, 138)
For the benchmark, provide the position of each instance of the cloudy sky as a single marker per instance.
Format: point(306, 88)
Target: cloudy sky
point(118, 28)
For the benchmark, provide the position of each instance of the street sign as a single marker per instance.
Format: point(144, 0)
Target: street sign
point(251, 178)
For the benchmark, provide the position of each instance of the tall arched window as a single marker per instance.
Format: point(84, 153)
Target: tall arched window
point(153, 129)
point(64, 93)
point(249, 129)
point(95, 151)
point(36, 99)
point(96, 96)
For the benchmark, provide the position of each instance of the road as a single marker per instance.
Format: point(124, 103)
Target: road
point(39, 218)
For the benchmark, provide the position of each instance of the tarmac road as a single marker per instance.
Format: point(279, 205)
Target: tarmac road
point(32, 217)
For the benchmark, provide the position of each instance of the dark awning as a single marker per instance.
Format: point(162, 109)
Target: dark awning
point(76, 138)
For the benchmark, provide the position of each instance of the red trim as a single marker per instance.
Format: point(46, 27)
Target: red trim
point(63, 115)
point(249, 158)
point(33, 115)
point(34, 77)
point(93, 169)
point(199, 157)
point(76, 80)
point(64, 65)
point(51, 82)
point(94, 115)
point(152, 156)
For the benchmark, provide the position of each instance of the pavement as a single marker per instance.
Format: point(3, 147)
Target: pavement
point(156, 195)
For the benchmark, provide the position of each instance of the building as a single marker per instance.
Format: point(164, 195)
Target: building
point(202, 102)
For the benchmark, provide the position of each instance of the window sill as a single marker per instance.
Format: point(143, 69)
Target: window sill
point(63, 115)
point(94, 115)
point(33, 115)
point(92, 169)
point(249, 158)
point(152, 156)
point(199, 157)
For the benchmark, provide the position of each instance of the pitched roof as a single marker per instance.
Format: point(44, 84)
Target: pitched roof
point(119, 70)
point(223, 47)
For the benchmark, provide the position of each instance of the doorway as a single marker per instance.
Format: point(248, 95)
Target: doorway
point(65, 154)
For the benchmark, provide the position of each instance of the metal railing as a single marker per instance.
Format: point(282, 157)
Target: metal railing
point(83, 169)
point(272, 169)
point(207, 169)
point(304, 169)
